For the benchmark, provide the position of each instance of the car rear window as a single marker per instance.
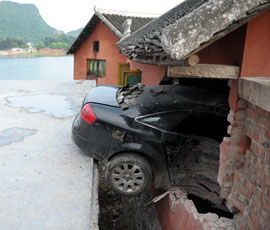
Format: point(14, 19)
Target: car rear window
point(165, 121)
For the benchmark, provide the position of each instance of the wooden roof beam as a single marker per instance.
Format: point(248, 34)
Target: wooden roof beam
point(205, 71)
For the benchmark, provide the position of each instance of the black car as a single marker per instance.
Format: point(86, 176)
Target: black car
point(136, 131)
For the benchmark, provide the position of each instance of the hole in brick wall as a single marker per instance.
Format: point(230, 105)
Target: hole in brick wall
point(204, 206)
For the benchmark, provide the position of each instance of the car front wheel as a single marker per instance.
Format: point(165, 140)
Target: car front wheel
point(129, 174)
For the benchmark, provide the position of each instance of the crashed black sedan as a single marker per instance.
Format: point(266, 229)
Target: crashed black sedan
point(137, 131)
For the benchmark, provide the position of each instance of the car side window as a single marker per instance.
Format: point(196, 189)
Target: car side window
point(165, 121)
point(202, 124)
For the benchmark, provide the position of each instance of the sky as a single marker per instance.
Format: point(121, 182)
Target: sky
point(68, 15)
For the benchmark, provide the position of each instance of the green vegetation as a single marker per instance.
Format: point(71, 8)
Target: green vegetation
point(23, 21)
point(74, 33)
point(8, 43)
point(61, 41)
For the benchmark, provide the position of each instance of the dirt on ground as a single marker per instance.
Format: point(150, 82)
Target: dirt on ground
point(124, 213)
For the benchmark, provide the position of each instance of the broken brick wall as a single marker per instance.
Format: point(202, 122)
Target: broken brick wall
point(175, 211)
point(244, 173)
point(245, 166)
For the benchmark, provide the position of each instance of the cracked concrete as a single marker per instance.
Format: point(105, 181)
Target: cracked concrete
point(46, 181)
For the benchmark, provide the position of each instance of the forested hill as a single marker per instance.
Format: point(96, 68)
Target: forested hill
point(23, 21)
point(75, 33)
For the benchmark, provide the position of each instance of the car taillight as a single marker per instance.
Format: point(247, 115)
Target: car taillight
point(87, 114)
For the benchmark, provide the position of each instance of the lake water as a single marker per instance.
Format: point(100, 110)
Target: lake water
point(36, 68)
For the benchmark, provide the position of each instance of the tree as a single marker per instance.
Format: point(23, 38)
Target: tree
point(53, 45)
point(40, 45)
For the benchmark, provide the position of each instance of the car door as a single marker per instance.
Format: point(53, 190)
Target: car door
point(192, 149)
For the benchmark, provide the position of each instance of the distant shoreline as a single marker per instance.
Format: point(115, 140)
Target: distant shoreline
point(37, 54)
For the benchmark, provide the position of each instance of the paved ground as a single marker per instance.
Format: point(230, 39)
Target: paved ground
point(45, 180)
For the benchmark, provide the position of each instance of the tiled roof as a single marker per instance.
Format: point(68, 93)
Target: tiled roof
point(184, 29)
point(118, 20)
point(114, 20)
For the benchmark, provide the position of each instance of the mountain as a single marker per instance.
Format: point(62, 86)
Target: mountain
point(74, 33)
point(23, 21)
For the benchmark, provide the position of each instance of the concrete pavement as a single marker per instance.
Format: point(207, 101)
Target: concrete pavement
point(45, 180)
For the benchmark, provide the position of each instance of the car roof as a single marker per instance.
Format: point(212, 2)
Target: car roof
point(151, 99)
point(102, 94)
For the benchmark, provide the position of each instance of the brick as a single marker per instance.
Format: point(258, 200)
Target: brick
point(267, 192)
point(233, 95)
point(258, 129)
point(235, 150)
point(267, 134)
point(250, 186)
point(254, 219)
point(235, 177)
point(249, 224)
point(265, 202)
point(230, 117)
point(243, 190)
point(237, 203)
point(251, 106)
point(264, 213)
point(253, 135)
point(243, 142)
point(224, 192)
point(240, 117)
point(241, 104)
point(263, 112)
point(266, 145)
point(261, 222)
point(265, 123)
point(256, 201)
point(267, 158)
point(257, 149)
point(250, 123)
point(243, 199)
point(266, 170)
point(251, 114)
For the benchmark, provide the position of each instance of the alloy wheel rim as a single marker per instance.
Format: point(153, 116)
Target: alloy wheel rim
point(128, 177)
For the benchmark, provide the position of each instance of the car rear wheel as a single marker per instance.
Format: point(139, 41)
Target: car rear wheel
point(129, 174)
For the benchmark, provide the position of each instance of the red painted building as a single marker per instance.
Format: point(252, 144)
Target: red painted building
point(96, 55)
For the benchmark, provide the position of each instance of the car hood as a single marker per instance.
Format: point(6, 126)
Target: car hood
point(103, 94)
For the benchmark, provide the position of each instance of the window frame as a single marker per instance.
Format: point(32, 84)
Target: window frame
point(139, 118)
point(96, 70)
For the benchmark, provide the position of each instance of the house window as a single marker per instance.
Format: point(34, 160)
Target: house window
point(96, 67)
point(96, 46)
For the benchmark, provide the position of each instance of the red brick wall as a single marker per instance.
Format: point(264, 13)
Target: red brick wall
point(246, 180)
point(176, 212)
point(245, 156)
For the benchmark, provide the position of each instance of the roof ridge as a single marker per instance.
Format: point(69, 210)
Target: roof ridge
point(126, 13)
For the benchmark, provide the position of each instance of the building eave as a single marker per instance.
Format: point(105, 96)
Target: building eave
point(88, 29)
point(180, 36)
point(109, 24)
point(213, 20)
point(84, 34)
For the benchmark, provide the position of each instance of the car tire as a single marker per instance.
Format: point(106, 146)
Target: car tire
point(129, 174)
